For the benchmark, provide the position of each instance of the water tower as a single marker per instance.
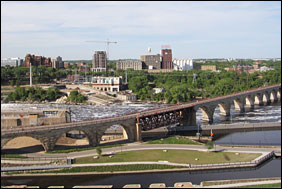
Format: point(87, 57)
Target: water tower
point(149, 50)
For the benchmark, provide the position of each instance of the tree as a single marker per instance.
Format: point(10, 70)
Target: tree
point(99, 150)
point(209, 145)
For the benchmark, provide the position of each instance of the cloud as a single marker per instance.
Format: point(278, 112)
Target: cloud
point(70, 23)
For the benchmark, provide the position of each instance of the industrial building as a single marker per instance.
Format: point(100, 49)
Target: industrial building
point(166, 59)
point(129, 64)
point(34, 117)
point(182, 64)
point(151, 61)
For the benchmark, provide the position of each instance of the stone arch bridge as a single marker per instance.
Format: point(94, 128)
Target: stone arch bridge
point(135, 123)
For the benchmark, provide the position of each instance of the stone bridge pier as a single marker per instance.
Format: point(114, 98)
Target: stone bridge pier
point(250, 102)
point(188, 117)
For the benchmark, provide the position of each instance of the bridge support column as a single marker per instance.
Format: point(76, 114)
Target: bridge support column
point(240, 105)
point(279, 95)
point(208, 113)
point(4, 141)
point(133, 130)
point(188, 117)
point(48, 143)
point(138, 132)
point(259, 99)
point(250, 102)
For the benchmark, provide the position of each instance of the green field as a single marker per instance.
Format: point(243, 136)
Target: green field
point(174, 140)
point(80, 149)
point(175, 156)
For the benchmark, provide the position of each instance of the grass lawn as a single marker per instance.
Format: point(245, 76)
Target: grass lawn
point(278, 185)
point(12, 156)
point(80, 149)
point(174, 140)
point(175, 156)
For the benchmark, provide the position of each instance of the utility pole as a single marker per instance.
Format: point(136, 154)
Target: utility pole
point(194, 77)
point(30, 74)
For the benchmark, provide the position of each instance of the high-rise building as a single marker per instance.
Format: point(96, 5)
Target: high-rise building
point(58, 62)
point(99, 61)
point(166, 59)
point(151, 61)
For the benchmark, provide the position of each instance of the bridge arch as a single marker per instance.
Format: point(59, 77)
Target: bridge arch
point(266, 98)
point(207, 113)
point(259, 99)
point(74, 133)
point(250, 101)
point(239, 104)
point(20, 142)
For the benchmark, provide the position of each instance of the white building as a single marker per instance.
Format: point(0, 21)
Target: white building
point(11, 61)
point(107, 83)
point(182, 64)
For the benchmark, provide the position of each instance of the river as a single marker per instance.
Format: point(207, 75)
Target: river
point(271, 168)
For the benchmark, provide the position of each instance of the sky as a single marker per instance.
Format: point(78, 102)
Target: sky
point(204, 29)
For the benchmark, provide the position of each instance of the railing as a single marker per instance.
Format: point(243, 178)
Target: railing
point(7, 162)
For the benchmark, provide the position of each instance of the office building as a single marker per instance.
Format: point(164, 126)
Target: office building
point(129, 64)
point(58, 63)
point(99, 61)
point(11, 62)
point(151, 61)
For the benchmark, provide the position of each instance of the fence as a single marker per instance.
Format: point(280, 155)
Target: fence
point(8, 162)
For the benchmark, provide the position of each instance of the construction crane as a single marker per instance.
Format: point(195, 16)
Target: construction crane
point(108, 44)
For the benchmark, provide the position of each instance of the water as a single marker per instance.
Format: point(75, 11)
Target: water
point(272, 138)
point(271, 113)
point(271, 168)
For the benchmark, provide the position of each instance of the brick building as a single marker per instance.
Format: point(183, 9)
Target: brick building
point(166, 59)
point(36, 61)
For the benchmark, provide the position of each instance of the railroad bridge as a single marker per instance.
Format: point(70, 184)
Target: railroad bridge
point(134, 123)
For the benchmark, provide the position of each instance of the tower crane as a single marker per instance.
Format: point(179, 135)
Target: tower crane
point(108, 44)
